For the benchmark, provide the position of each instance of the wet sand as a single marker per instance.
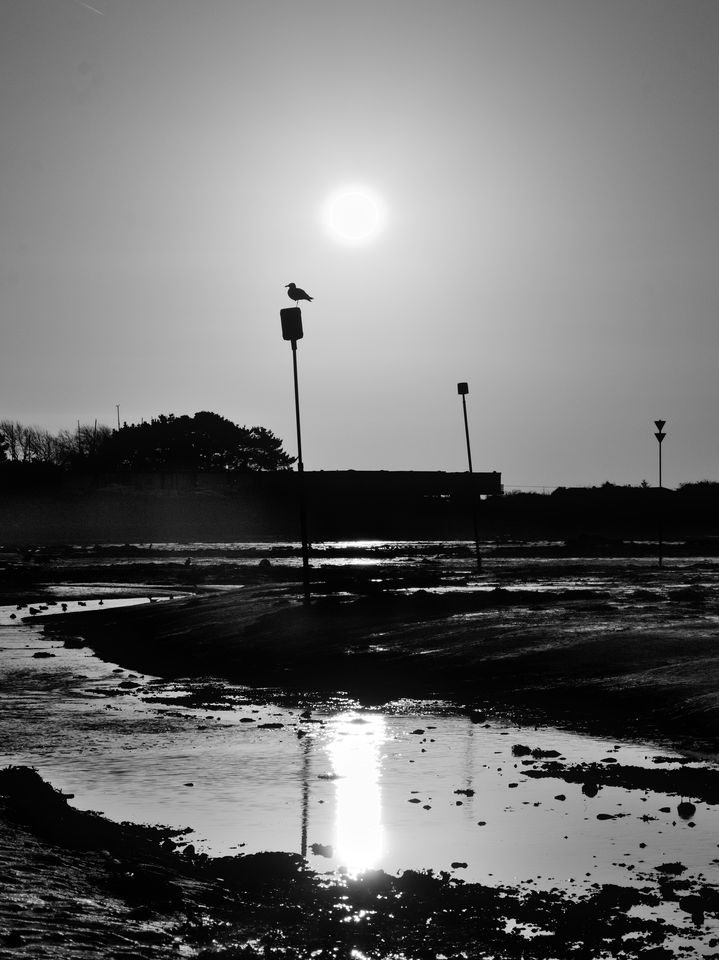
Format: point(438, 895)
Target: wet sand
point(643, 664)
point(638, 664)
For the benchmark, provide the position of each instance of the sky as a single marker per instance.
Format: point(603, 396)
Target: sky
point(545, 176)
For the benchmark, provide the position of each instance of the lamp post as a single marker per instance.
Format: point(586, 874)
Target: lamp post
point(463, 390)
point(659, 424)
point(291, 320)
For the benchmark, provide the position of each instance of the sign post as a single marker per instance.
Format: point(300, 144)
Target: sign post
point(463, 390)
point(659, 424)
point(291, 320)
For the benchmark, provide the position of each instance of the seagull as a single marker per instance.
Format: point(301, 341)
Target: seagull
point(295, 293)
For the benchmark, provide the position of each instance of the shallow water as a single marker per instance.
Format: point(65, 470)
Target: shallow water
point(411, 785)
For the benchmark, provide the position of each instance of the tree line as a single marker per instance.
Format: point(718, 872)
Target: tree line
point(204, 441)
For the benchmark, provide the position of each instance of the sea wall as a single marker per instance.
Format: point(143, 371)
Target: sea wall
point(161, 507)
point(56, 507)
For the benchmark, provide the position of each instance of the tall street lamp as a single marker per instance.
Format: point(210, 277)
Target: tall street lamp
point(463, 390)
point(291, 320)
point(659, 424)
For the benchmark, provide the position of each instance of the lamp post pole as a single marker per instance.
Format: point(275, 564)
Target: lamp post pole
point(659, 424)
point(291, 319)
point(463, 390)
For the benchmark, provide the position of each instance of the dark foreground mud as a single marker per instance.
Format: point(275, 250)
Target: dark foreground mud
point(77, 885)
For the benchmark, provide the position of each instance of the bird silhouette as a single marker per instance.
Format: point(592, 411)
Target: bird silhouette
point(295, 293)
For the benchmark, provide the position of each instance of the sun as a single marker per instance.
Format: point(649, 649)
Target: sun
point(353, 215)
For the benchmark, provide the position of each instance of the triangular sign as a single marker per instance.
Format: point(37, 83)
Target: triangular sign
point(660, 436)
point(660, 424)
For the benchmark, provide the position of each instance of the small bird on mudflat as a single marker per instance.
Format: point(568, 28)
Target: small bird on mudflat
point(295, 293)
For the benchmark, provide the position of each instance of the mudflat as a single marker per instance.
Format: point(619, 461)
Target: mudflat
point(625, 650)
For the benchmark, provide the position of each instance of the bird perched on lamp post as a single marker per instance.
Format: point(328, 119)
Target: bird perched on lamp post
point(295, 293)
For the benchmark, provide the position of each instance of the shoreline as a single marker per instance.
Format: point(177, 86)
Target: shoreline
point(572, 658)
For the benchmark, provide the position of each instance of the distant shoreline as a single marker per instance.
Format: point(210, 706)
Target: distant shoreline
point(58, 508)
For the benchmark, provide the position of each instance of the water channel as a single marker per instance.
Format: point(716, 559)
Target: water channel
point(415, 784)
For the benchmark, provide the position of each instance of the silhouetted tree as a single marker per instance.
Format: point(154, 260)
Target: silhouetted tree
point(35, 445)
point(20, 441)
point(700, 486)
point(205, 441)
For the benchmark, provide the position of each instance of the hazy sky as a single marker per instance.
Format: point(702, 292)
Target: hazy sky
point(549, 174)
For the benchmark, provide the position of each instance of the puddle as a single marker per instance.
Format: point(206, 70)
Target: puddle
point(411, 786)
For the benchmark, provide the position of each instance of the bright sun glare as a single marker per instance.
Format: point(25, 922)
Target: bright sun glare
point(355, 752)
point(353, 215)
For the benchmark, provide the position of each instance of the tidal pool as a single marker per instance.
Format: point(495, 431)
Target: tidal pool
point(413, 785)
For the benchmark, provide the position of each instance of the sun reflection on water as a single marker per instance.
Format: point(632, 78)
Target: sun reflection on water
point(355, 753)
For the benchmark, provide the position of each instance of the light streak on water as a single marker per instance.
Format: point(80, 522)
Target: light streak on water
point(354, 751)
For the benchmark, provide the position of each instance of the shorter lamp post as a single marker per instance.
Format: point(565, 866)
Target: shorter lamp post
point(463, 390)
point(291, 320)
point(659, 424)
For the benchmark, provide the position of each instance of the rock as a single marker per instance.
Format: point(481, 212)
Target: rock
point(674, 869)
point(74, 643)
point(42, 654)
point(686, 810)
point(520, 750)
point(417, 884)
